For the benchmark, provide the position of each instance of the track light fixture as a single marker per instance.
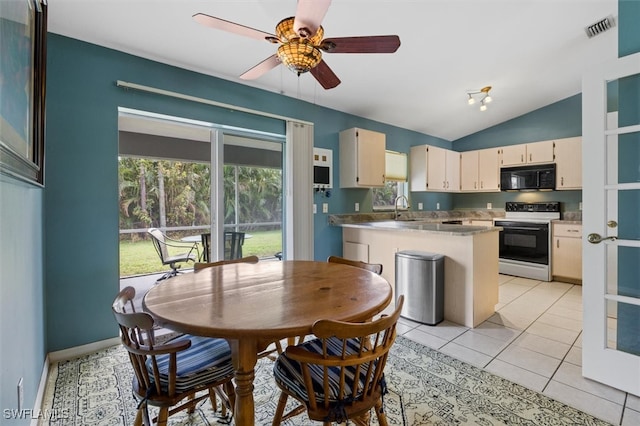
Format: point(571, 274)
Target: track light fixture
point(482, 95)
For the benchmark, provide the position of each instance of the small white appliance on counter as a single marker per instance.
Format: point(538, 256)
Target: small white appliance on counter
point(525, 239)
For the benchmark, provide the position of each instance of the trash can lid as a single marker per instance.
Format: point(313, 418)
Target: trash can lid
point(415, 254)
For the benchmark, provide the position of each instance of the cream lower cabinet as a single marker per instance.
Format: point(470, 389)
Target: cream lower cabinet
point(470, 265)
point(566, 253)
point(355, 251)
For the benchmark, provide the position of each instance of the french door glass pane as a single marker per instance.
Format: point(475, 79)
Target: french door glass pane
point(628, 206)
point(622, 327)
point(628, 156)
point(623, 95)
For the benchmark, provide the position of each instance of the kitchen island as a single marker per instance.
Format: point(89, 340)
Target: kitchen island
point(470, 266)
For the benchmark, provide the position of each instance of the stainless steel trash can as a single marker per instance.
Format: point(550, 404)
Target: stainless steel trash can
point(420, 277)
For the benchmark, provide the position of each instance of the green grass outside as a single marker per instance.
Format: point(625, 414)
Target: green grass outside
point(140, 257)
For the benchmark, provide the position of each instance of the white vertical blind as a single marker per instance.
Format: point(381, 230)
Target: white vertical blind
point(396, 166)
point(299, 191)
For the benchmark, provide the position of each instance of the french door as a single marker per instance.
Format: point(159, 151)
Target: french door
point(611, 220)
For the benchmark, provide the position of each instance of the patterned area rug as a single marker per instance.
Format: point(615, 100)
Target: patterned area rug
point(426, 387)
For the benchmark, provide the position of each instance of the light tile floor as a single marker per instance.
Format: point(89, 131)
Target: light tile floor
point(533, 339)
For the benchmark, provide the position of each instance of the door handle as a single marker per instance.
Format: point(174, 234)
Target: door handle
point(597, 238)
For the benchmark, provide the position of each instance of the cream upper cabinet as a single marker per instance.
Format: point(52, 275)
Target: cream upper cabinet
point(452, 170)
point(568, 154)
point(480, 170)
point(540, 152)
point(469, 164)
point(529, 153)
point(513, 155)
point(418, 165)
point(489, 169)
point(434, 169)
point(362, 158)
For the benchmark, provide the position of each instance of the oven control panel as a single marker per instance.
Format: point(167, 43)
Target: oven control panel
point(549, 206)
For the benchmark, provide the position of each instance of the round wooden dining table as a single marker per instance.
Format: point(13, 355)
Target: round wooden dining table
point(253, 305)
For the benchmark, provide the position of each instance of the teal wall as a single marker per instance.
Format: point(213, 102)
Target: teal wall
point(628, 28)
point(559, 120)
point(81, 199)
point(81, 264)
point(562, 119)
point(22, 350)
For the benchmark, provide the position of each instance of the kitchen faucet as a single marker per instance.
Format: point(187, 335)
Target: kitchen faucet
point(395, 205)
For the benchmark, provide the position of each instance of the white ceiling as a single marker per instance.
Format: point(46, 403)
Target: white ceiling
point(533, 52)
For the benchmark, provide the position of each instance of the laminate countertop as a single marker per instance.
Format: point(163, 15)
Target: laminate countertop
point(424, 227)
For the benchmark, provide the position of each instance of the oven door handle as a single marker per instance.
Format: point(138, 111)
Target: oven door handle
point(522, 228)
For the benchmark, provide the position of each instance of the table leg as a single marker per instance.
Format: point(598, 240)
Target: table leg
point(244, 355)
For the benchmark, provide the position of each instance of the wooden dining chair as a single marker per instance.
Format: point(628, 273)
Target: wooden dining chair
point(166, 374)
point(247, 259)
point(339, 375)
point(376, 268)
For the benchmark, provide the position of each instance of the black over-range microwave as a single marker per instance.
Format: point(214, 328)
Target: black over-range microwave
point(539, 177)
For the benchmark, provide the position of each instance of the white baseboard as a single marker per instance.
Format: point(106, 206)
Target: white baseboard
point(64, 355)
point(79, 351)
point(37, 405)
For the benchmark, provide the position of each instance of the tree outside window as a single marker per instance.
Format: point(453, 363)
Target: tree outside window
point(395, 182)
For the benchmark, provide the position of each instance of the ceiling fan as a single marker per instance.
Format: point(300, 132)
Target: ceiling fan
point(301, 42)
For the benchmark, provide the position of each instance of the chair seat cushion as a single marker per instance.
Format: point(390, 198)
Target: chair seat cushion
point(206, 360)
point(288, 372)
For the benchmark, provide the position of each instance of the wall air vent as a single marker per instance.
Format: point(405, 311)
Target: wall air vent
point(600, 26)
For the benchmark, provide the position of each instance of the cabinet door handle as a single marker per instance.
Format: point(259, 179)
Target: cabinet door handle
point(562, 181)
point(557, 243)
point(475, 185)
point(481, 184)
point(522, 158)
point(530, 157)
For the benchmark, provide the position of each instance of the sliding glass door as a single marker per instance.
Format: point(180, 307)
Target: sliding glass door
point(192, 178)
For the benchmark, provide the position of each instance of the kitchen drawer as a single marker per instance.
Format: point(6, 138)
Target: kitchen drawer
point(567, 230)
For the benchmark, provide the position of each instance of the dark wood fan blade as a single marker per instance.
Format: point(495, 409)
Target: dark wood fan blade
point(365, 44)
point(232, 27)
point(325, 75)
point(264, 66)
point(309, 16)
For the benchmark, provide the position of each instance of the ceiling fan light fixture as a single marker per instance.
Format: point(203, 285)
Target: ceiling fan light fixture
point(299, 56)
point(286, 33)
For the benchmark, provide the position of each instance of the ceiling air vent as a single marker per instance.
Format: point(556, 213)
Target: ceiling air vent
point(600, 26)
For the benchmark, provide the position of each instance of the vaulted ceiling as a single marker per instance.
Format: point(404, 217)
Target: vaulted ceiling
point(532, 52)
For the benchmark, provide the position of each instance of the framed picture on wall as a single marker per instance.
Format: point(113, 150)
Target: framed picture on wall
point(23, 31)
